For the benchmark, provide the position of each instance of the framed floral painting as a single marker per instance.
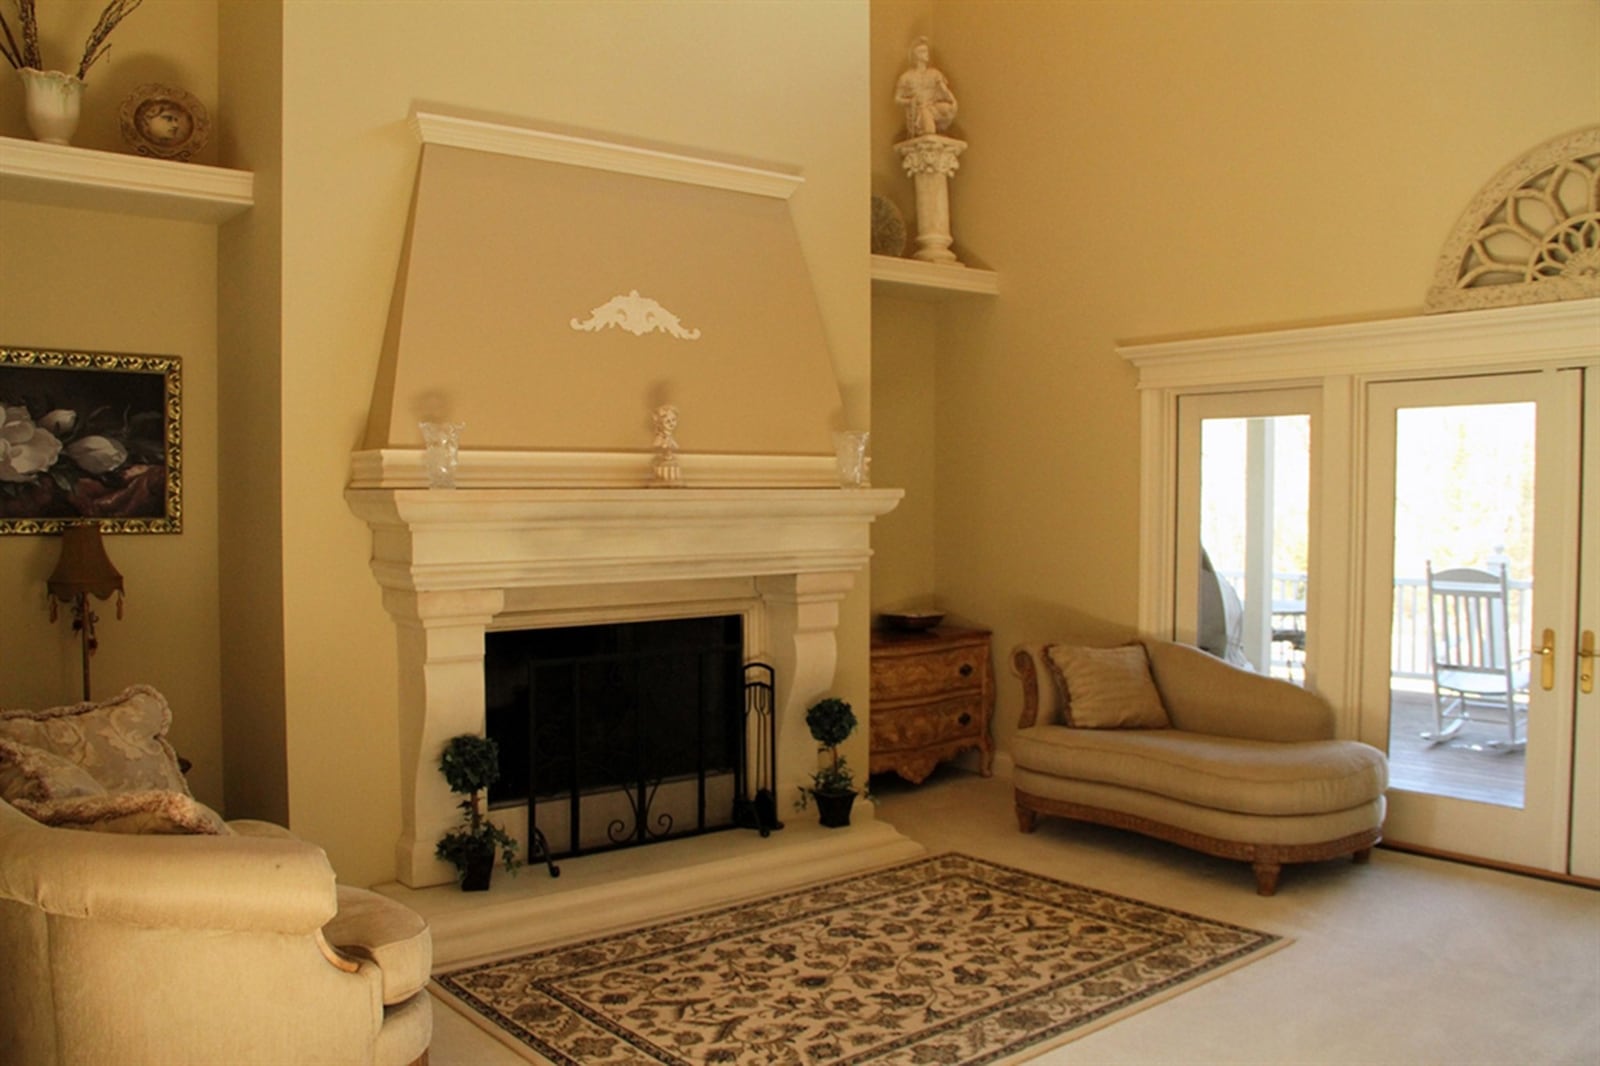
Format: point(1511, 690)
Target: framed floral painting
point(90, 436)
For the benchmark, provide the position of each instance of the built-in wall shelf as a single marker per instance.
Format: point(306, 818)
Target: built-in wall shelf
point(64, 176)
point(913, 277)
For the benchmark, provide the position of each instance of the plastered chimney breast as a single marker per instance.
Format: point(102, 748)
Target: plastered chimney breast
point(551, 305)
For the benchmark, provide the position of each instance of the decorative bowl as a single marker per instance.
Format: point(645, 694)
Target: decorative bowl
point(912, 620)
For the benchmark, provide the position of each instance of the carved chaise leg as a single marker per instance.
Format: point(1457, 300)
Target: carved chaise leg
point(1362, 856)
point(1266, 877)
point(1027, 818)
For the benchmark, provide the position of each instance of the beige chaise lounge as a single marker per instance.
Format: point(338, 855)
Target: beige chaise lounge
point(139, 928)
point(1226, 761)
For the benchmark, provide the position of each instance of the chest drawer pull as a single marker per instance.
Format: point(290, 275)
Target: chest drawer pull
point(966, 670)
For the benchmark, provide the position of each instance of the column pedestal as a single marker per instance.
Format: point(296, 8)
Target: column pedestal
point(930, 160)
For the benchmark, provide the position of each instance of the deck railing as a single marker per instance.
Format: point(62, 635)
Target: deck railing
point(1408, 628)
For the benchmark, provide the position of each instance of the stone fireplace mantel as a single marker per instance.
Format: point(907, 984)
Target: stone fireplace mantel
point(496, 319)
point(449, 540)
point(455, 564)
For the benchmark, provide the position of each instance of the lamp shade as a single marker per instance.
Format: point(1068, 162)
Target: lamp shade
point(84, 567)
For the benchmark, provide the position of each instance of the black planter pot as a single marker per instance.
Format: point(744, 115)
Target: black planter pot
point(833, 808)
point(479, 868)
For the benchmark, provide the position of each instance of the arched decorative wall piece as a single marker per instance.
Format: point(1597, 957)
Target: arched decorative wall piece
point(1531, 236)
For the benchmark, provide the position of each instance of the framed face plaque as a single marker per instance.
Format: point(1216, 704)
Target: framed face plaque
point(163, 122)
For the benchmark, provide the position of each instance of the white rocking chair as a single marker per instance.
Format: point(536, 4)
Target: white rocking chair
point(1475, 677)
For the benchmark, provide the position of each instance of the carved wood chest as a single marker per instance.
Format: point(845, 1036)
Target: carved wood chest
point(932, 699)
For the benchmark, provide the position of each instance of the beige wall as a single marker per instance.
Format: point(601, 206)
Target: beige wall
point(100, 282)
point(904, 395)
point(483, 333)
point(780, 82)
point(905, 345)
point(1156, 169)
point(252, 422)
point(314, 100)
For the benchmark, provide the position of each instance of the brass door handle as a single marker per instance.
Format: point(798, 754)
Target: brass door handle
point(1547, 661)
point(1586, 661)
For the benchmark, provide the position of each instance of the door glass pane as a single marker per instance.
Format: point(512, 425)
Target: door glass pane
point(1254, 522)
point(1463, 595)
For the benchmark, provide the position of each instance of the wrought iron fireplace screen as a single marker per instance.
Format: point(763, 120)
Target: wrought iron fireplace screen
point(630, 733)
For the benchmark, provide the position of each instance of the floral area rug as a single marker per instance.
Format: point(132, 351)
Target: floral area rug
point(946, 959)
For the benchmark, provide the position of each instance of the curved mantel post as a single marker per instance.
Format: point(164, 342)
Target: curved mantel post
point(440, 636)
point(455, 564)
point(802, 612)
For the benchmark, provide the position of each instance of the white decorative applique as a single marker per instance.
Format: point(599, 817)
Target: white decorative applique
point(636, 314)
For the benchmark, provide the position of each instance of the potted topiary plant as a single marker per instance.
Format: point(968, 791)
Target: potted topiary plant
point(833, 786)
point(470, 764)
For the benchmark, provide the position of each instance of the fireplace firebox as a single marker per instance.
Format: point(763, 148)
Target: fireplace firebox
point(620, 734)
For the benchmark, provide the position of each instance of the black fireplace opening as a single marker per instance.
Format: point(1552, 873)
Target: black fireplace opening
point(619, 734)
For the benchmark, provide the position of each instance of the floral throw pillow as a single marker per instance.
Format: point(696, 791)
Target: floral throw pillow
point(120, 742)
point(149, 811)
point(31, 773)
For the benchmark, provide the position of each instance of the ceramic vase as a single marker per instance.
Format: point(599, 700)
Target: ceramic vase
point(51, 100)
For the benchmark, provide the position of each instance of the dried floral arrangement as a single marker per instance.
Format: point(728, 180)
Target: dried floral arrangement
point(25, 55)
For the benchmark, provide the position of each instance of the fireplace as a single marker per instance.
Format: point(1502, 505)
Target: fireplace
point(622, 734)
point(517, 241)
point(457, 565)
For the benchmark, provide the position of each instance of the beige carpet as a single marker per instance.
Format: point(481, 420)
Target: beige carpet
point(947, 959)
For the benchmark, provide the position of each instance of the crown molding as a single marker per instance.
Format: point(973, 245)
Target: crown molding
point(481, 136)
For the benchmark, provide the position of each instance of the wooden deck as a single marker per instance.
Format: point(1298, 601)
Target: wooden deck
point(1465, 767)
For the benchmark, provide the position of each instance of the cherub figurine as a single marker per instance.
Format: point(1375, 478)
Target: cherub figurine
point(665, 422)
point(925, 94)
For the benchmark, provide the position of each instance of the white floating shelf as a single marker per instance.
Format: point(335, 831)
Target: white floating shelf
point(63, 176)
point(913, 277)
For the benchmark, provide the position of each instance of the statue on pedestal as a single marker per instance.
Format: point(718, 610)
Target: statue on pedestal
point(929, 157)
point(925, 94)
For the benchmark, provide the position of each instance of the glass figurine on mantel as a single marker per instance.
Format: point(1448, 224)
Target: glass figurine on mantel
point(850, 451)
point(441, 449)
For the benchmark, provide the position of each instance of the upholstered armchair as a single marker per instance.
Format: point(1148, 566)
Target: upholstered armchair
point(140, 928)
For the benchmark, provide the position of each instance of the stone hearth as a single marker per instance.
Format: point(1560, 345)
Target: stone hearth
point(614, 890)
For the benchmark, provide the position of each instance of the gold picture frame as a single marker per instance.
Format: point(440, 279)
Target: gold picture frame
point(90, 437)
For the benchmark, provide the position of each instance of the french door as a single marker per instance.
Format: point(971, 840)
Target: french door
point(1476, 485)
point(1244, 525)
